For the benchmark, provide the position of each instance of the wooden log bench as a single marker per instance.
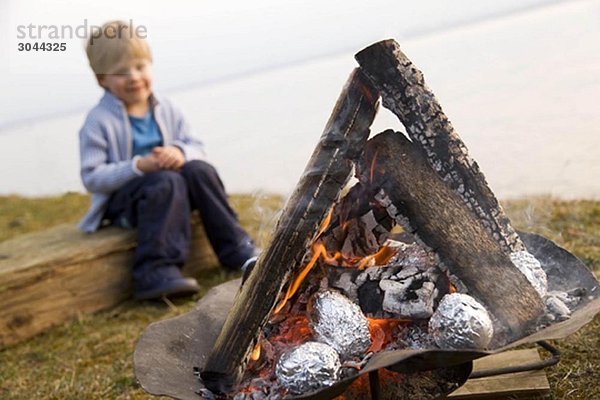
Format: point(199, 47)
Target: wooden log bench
point(528, 385)
point(49, 277)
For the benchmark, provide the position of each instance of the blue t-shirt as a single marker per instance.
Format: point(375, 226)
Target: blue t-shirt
point(146, 134)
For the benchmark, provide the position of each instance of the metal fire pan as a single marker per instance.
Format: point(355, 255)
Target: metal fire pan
point(169, 350)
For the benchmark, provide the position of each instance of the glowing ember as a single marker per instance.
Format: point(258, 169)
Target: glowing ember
point(306, 342)
point(291, 331)
point(318, 250)
point(383, 332)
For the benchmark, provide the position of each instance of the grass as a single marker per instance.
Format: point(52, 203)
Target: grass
point(23, 215)
point(91, 358)
point(574, 225)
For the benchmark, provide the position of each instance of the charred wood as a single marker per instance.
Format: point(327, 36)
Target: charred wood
point(405, 93)
point(359, 236)
point(407, 287)
point(327, 172)
point(400, 173)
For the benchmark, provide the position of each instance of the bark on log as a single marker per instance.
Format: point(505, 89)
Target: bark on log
point(50, 277)
point(439, 217)
point(325, 175)
point(405, 93)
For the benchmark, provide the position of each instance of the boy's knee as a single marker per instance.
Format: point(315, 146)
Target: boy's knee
point(165, 183)
point(198, 168)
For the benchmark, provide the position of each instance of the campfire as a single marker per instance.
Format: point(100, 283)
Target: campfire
point(404, 276)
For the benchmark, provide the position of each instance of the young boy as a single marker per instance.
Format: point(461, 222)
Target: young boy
point(145, 170)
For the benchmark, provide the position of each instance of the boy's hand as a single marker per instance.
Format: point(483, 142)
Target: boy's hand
point(169, 157)
point(148, 163)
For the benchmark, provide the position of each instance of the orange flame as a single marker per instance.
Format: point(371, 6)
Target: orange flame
point(452, 288)
point(324, 224)
point(318, 249)
point(382, 331)
point(336, 259)
point(382, 257)
point(255, 352)
point(372, 170)
point(293, 330)
point(361, 388)
point(385, 254)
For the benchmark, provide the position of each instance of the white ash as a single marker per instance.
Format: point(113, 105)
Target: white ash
point(560, 304)
point(413, 254)
point(208, 395)
point(532, 269)
point(571, 298)
point(258, 388)
point(262, 393)
point(340, 323)
point(384, 200)
point(407, 287)
point(402, 299)
point(460, 322)
point(345, 282)
point(308, 367)
point(417, 338)
point(357, 236)
point(556, 309)
point(363, 236)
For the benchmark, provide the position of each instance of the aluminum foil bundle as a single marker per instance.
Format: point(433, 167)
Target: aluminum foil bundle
point(308, 367)
point(460, 322)
point(532, 269)
point(340, 323)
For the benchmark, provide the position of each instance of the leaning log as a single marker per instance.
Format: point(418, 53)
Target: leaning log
point(327, 172)
point(397, 171)
point(404, 92)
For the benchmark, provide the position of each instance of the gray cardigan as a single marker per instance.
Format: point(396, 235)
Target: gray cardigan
point(105, 143)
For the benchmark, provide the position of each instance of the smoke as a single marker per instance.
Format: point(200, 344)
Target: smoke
point(267, 208)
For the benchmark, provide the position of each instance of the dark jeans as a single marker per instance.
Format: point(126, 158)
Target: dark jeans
point(159, 205)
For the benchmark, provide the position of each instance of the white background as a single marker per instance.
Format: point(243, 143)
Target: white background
point(519, 80)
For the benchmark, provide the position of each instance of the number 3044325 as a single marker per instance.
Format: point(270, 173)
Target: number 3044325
point(41, 46)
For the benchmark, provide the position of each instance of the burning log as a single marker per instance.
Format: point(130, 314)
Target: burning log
point(358, 226)
point(432, 188)
point(327, 172)
point(395, 169)
point(404, 92)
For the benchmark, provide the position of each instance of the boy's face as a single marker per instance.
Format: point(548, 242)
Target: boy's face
point(130, 81)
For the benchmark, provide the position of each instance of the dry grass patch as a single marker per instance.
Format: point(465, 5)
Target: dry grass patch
point(91, 358)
